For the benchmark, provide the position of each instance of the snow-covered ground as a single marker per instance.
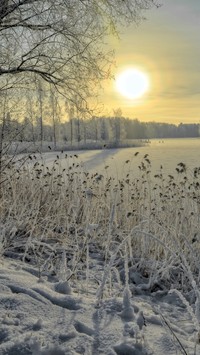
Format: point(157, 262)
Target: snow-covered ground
point(45, 315)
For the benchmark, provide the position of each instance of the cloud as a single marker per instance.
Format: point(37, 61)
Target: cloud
point(180, 92)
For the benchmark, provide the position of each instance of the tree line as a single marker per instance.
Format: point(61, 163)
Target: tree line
point(102, 129)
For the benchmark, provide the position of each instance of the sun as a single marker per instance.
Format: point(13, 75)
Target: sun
point(132, 83)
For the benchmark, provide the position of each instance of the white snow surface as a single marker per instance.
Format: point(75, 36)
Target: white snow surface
point(46, 316)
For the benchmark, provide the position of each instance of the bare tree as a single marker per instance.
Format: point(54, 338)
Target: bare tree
point(60, 40)
point(55, 114)
point(41, 110)
point(30, 112)
point(9, 130)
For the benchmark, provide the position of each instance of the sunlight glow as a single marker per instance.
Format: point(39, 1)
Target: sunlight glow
point(132, 83)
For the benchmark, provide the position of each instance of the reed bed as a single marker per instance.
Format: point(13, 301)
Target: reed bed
point(135, 235)
point(152, 220)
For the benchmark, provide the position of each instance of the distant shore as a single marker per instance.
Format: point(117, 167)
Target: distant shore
point(30, 147)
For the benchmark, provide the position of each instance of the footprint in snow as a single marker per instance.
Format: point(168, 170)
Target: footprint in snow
point(82, 328)
point(126, 349)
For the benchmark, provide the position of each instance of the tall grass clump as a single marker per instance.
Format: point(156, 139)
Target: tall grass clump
point(158, 214)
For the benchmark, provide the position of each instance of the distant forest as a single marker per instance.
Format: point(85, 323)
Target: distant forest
point(94, 129)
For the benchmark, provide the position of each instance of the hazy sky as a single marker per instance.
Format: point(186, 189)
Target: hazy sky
point(167, 48)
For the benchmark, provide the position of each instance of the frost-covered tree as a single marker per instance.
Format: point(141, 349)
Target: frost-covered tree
point(61, 40)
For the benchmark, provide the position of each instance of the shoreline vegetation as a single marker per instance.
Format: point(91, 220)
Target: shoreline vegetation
point(25, 147)
point(19, 147)
point(30, 147)
point(93, 133)
point(97, 236)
